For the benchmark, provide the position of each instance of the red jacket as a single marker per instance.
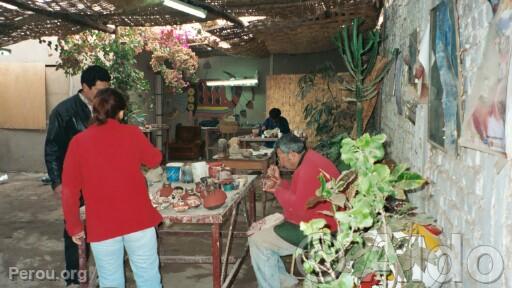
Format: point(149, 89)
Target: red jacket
point(104, 162)
point(293, 196)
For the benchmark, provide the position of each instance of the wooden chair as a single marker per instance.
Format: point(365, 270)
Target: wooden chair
point(187, 144)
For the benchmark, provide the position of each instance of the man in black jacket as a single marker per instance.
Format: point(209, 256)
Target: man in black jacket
point(67, 119)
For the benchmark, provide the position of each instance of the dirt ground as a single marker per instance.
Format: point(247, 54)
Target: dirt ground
point(31, 240)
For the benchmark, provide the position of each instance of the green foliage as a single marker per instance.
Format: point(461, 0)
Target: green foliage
point(330, 148)
point(327, 116)
point(360, 56)
point(114, 52)
point(374, 183)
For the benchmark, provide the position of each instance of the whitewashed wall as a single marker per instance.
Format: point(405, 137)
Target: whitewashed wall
point(469, 193)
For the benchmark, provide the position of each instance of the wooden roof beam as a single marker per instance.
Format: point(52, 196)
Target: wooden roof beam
point(70, 18)
point(216, 11)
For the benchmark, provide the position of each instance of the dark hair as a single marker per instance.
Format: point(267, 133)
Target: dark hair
point(107, 103)
point(290, 143)
point(274, 113)
point(94, 73)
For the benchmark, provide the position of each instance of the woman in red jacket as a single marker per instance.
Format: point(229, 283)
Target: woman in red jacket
point(104, 163)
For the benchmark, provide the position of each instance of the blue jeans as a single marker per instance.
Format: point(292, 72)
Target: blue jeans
point(266, 249)
point(141, 247)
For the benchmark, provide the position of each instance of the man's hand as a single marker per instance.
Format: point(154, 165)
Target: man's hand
point(273, 171)
point(78, 238)
point(57, 192)
point(272, 179)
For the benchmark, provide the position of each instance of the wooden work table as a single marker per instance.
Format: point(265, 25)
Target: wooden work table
point(244, 195)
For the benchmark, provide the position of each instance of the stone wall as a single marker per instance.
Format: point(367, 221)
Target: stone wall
point(469, 192)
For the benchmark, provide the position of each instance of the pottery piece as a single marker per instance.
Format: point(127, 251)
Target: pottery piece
point(214, 198)
point(214, 169)
point(193, 201)
point(165, 191)
point(177, 194)
point(180, 206)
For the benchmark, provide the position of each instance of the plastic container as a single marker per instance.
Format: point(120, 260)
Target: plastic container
point(173, 172)
point(199, 170)
point(187, 176)
point(228, 187)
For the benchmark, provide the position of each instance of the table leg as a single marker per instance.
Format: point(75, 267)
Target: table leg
point(216, 251)
point(264, 202)
point(252, 204)
point(228, 243)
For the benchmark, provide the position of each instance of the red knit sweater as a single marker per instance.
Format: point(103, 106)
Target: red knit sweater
point(293, 196)
point(104, 162)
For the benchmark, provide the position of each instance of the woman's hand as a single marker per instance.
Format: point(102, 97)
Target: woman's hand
point(78, 238)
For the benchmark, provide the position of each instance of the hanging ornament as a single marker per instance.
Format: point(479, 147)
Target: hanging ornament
point(191, 99)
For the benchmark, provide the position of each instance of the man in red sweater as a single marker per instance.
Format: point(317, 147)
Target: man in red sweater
point(265, 245)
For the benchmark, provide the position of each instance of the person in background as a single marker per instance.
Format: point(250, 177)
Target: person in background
point(104, 164)
point(275, 120)
point(270, 241)
point(67, 119)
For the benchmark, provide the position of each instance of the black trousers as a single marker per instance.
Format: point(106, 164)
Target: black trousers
point(71, 256)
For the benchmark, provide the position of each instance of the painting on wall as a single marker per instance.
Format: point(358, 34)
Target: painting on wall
point(397, 84)
point(211, 101)
point(486, 121)
point(412, 53)
point(443, 115)
point(494, 5)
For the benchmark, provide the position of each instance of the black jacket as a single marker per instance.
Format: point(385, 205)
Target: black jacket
point(67, 119)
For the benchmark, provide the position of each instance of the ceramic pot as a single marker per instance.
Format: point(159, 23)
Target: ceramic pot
point(165, 191)
point(214, 169)
point(214, 198)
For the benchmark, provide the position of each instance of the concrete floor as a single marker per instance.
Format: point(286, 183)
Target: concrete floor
point(31, 238)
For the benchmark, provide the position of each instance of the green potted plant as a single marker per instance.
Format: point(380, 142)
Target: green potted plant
point(374, 222)
point(331, 120)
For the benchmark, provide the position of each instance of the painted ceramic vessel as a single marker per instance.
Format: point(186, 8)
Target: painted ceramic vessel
point(165, 191)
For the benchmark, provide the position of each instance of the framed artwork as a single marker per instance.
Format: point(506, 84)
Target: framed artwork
point(413, 55)
point(397, 84)
point(487, 125)
point(443, 112)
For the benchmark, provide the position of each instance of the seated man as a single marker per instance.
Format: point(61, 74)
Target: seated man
point(265, 245)
point(275, 120)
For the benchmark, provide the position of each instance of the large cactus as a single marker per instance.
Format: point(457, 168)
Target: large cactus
point(354, 48)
